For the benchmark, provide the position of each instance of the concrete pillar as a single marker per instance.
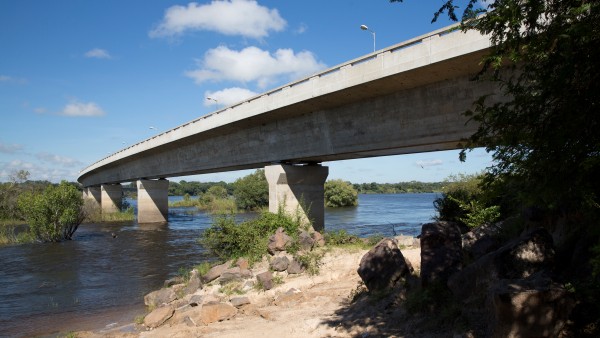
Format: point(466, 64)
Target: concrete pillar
point(153, 201)
point(112, 195)
point(92, 195)
point(299, 190)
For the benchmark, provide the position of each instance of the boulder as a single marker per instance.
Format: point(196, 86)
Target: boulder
point(383, 266)
point(518, 259)
point(172, 281)
point(280, 263)
point(265, 279)
point(534, 307)
point(211, 313)
point(482, 240)
point(279, 241)
point(441, 254)
point(159, 297)
point(239, 301)
point(193, 283)
point(242, 263)
point(215, 272)
point(234, 274)
point(305, 241)
point(157, 317)
point(318, 238)
point(295, 267)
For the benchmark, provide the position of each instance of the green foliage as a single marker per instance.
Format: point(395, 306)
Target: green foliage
point(398, 188)
point(339, 193)
point(195, 188)
point(249, 239)
point(340, 237)
point(311, 261)
point(252, 191)
point(53, 215)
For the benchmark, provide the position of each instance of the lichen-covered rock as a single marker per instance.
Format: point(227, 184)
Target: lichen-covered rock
point(383, 266)
point(441, 254)
point(157, 317)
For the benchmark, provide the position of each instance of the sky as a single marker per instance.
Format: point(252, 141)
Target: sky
point(80, 80)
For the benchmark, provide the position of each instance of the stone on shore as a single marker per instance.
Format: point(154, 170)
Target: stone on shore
point(265, 279)
point(280, 263)
point(383, 266)
point(441, 254)
point(278, 242)
point(159, 297)
point(211, 313)
point(157, 317)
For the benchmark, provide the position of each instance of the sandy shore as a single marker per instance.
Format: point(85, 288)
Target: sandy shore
point(303, 306)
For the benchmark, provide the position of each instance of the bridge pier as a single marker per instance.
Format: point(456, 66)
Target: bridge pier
point(93, 195)
point(111, 198)
point(153, 201)
point(298, 189)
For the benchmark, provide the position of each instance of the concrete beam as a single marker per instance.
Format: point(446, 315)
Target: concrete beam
point(153, 201)
point(112, 195)
point(93, 196)
point(299, 190)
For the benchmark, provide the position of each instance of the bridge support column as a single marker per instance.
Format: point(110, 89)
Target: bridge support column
point(153, 201)
point(93, 196)
point(298, 189)
point(112, 195)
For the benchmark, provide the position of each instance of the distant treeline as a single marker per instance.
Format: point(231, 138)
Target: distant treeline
point(199, 188)
point(398, 188)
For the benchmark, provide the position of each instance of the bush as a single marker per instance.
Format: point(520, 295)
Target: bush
point(55, 214)
point(340, 193)
point(249, 239)
point(251, 192)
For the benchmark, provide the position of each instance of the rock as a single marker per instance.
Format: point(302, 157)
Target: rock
point(518, 259)
point(280, 263)
point(172, 281)
point(482, 240)
point(193, 283)
point(215, 272)
point(407, 241)
point(305, 241)
point(441, 254)
point(318, 238)
point(383, 265)
point(279, 241)
point(157, 317)
point(234, 274)
point(265, 279)
point(196, 300)
point(159, 297)
point(239, 301)
point(295, 267)
point(534, 307)
point(242, 263)
point(211, 313)
point(290, 298)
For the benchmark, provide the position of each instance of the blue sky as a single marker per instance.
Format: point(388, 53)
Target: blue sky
point(82, 79)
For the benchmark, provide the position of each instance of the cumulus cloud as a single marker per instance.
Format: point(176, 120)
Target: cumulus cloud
point(58, 160)
point(429, 163)
point(76, 108)
point(230, 17)
point(37, 172)
point(98, 53)
point(228, 96)
point(10, 148)
point(254, 64)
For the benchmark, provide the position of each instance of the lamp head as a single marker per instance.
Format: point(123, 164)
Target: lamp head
point(364, 27)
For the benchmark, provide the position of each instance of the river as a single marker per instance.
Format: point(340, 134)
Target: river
point(96, 280)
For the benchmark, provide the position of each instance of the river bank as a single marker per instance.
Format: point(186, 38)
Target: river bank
point(301, 306)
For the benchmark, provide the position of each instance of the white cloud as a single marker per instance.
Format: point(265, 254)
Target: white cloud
point(228, 96)
point(429, 163)
point(4, 78)
point(229, 17)
point(37, 171)
point(301, 29)
point(11, 79)
point(10, 148)
point(59, 160)
point(76, 108)
point(98, 53)
point(40, 110)
point(254, 64)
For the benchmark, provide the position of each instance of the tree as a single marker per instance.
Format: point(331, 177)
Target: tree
point(339, 193)
point(55, 214)
point(251, 192)
point(544, 138)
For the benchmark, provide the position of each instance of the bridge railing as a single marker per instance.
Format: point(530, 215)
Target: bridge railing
point(363, 59)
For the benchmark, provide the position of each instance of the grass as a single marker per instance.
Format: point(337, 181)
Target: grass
point(9, 234)
point(342, 238)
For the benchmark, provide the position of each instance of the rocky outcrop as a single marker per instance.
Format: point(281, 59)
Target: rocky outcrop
point(157, 298)
point(383, 266)
point(211, 313)
point(158, 316)
point(441, 254)
point(518, 259)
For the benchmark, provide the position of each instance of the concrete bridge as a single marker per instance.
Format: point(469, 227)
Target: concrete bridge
point(403, 99)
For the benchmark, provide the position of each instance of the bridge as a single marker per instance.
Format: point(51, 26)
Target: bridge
point(403, 99)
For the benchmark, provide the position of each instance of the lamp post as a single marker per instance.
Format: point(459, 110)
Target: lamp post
point(216, 102)
point(365, 28)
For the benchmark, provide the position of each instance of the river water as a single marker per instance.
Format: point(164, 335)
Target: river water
point(97, 280)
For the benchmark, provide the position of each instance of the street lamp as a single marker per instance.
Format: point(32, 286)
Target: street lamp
point(365, 28)
point(216, 102)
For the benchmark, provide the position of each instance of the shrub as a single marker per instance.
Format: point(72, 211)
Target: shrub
point(340, 193)
point(229, 240)
point(55, 214)
point(251, 192)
